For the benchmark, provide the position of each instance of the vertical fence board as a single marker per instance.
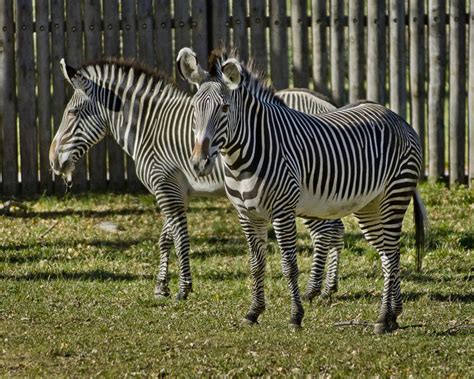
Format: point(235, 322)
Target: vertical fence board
point(182, 36)
point(319, 25)
point(279, 44)
point(145, 32)
point(26, 90)
point(116, 160)
point(57, 52)
point(164, 56)
point(199, 30)
point(356, 50)
point(436, 90)
point(417, 69)
point(299, 33)
point(75, 57)
point(471, 95)
point(10, 153)
point(337, 52)
point(258, 44)
point(220, 23)
point(398, 95)
point(44, 93)
point(129, 50)
point(240, 39)
point(457, 90)
point(376, 54)
point(97, 155)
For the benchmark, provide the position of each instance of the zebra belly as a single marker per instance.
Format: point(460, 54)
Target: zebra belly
point(311, 205)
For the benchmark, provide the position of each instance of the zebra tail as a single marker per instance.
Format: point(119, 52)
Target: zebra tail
point(421, 224)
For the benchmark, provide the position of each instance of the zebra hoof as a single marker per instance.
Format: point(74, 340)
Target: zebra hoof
point(181, 295)
point(246, 322)
point(161, 294)
point(380, 328)
point(294, 327)
point(307, 296)
point(392, 326)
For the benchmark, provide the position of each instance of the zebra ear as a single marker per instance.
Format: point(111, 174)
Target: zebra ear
point(68, 72)
point(189, 68)
point(232, 73)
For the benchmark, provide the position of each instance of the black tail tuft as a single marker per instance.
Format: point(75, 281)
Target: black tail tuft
point(420, 216)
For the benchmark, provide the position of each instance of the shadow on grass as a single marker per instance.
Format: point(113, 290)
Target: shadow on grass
point(411, 296)
point(83, 213)
point(93, 275)
point(21, 257)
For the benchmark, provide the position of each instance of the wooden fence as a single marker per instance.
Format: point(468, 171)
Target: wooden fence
point(411, 55)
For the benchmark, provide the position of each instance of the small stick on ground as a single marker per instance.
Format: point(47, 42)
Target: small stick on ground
point(49, 229)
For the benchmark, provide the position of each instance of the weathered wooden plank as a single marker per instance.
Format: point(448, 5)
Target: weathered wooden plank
point(356, 50)
point(241, 42)
point(44, 93)
point(10, 153)
point(182, 35)
point(163, 38)
point(319, 26)
point(417, 69)
point(116, 160)
point(457, 91)
point(337, 52)
point(130, 50)
point(398, 89)
point(299, 33)
point(57, 53)
point(436, 87)
point(279, 44)
point(75, 58)
point(97, 155)
point(258, 46)
point(471, 95)
point(376, 51)
point(146, 51)
point(25, 65)
point(199, 30)
point(220, 22)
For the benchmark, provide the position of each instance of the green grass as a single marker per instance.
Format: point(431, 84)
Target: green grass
point(78, 301)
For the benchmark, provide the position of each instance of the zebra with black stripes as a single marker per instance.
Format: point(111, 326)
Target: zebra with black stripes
point(280, 163)
point(152, 121)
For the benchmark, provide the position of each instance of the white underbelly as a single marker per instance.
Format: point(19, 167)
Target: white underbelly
point(314, 206)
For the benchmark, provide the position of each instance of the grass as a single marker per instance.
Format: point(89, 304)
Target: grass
point(78, 301)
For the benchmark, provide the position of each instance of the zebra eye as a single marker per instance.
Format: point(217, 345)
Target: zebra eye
point(73, 112)
point(225, 108)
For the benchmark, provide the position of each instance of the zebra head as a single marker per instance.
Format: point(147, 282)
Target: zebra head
point(212, 105)
point(84, 121)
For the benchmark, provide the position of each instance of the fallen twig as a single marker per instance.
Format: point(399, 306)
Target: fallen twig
point(353, 323)
point(49, 229)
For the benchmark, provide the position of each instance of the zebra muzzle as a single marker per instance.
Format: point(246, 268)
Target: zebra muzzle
point(200, 159)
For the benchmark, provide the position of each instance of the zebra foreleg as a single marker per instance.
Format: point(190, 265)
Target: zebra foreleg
point(336, 245)
point(285, 230)
point(166, 242)
point(256, 234)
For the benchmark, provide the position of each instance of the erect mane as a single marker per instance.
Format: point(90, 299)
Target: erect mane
point(161, 81)
point(254, 80)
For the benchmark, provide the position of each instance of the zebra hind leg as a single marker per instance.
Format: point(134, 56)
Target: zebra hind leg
point(166, 242)
point(256, 234)
point(336, 245)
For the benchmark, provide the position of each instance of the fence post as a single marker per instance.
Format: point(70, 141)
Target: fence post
point(182, 34)
point(471, 95)
point(257, 34)
point(337, 52)
point(356, 50)
point(199, 30)
point(417, 70)
point(436, 90)
point(376, 51)
point(398, 89)
point(299, 34)
point(319, 26)
point(279, 44)
point(10, 153)
point(457, 90)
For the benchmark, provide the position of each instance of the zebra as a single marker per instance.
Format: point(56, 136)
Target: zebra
point(362, 159)
point(152, 121)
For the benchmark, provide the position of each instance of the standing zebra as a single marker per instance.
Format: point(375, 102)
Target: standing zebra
point(280, 163)
point(152, 121)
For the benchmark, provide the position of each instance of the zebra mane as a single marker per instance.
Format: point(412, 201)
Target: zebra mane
point(161, 81)
point(253, 79)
